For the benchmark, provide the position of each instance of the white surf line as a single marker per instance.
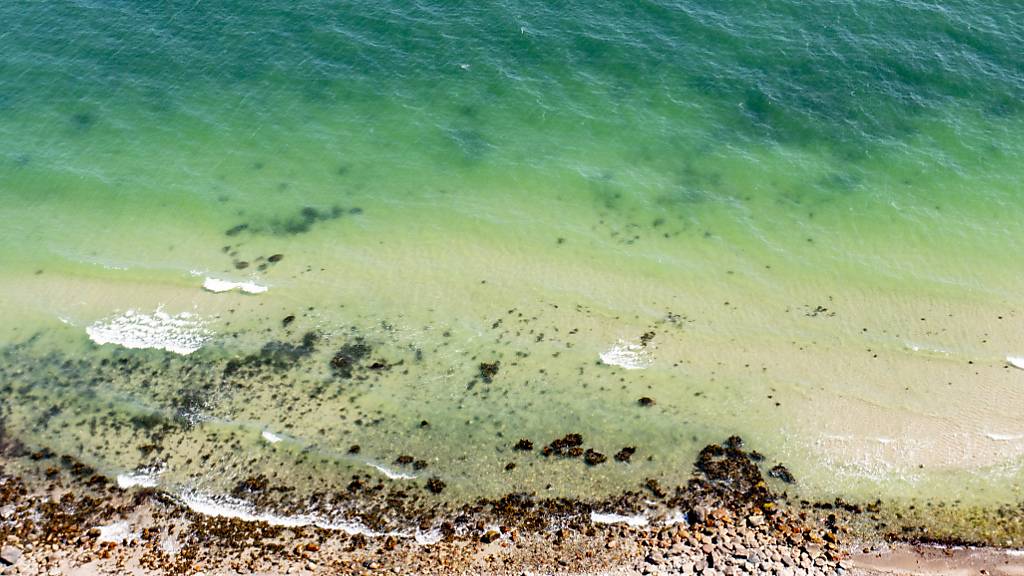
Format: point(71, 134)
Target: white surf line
point(217, 286)
point(125, 481)
point(182, 333)
point(144, 477)
point(612, 518)
point(429, 537)
point(228, 507)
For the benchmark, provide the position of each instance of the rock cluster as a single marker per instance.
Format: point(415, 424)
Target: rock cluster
point(725, 520)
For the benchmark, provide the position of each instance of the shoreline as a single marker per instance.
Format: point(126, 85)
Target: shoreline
point(66, 519)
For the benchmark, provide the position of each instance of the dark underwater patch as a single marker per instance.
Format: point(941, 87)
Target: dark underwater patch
point(301, 222)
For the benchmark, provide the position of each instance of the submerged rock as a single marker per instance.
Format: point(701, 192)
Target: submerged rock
point(782, 473)
point(625, 454)
point(435, 485)
point(524, 445)
point(488, 370)
point(593, 457)
point(569, 446)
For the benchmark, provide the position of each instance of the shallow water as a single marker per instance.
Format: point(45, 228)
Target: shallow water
point(813, 213)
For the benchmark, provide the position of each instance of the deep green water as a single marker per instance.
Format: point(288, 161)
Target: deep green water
point(816, 207)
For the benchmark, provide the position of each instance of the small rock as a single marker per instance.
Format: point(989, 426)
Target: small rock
point(698, 515)
point(625, 454)
point(435, 485)
point(9, 555)
point(488, 370)
point(593, 457)
point(524, 445)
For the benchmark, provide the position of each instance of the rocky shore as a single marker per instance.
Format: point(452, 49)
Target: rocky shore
point(59, 517)
point(726, 520)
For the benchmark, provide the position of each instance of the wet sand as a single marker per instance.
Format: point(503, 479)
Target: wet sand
point(909, 559)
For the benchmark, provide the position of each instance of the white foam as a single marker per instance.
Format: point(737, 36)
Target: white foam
point(228, 507)
point(637, 520)
point(391, 473)
point(181, 334)
point(170, 545)
point(1015, 361)
point(627, 355)
point(148, 477)
point(677, 517)
point(125, 481)
point(116, 532)
point(429, 537)
point(218, 285)
point(271, 437)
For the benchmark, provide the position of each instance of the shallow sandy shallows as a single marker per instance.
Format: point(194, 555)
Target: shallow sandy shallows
point(862, 393)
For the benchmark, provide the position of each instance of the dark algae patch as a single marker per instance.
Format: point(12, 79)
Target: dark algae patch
point(349, 357)
point(301, 222)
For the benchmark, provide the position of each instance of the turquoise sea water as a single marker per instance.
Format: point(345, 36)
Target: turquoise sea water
point(815, 208)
